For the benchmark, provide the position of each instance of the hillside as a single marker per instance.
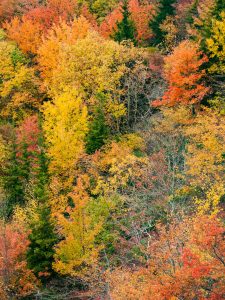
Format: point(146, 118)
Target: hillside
point(112, 149)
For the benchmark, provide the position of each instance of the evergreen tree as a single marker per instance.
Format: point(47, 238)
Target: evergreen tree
point(205, 26)
point(125, 28)
point(218, 8)
point(192, 12)
point(165, 9)
point(98, 131)
point(16, 177)
point(42, 238)
point(42, 241)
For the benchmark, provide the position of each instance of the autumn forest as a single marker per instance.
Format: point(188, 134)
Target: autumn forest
point(112, 149)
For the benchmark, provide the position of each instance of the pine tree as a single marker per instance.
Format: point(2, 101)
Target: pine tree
point(42, 241)
point(16, 177)
point(98, 131)
point(218, 8)
point(42, 238)
point(205, 26)
point(192, 12)
point(125, 28)
point(165, 9)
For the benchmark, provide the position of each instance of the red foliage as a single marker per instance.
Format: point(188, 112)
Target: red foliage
point(44, 16)
point(184, 75)
point(28, 133)
point(89, 17)
point(188, 260)
point(109, 25)
point(66, 9)
point(141, 14)
point(29, 30)
point(16, 277)
point(9, 8)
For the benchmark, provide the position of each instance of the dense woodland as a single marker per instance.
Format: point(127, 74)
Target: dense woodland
point(112, 149)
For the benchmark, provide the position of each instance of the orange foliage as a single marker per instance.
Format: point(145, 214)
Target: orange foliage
point(61, 33)
point(187, 261)
point(15, 277)
point(141, 14)
point(28, 30)
point(8, 8)
point(109, 25)
point(25, 32)
point(66, 9)
point(183, 74)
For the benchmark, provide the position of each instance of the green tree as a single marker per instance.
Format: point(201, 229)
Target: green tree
point(218, 8)
point(98, 131)
point(209, 12)
point(16, 177)
point(165, 9)
point(125, 28)
point(42, 241)
point(42, 238)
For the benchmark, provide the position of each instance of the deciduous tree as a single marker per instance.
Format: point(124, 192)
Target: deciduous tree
point(184, 76)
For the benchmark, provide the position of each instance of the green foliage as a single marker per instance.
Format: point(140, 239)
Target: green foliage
point(98, 131)
point(17, 57)
point(165, 9)
point(218, 8)
point(42, 237)
point(192, 12)
point(125, 28)
point(42, 240)
point(15, 179)
point(2, 34)
point(102, 7)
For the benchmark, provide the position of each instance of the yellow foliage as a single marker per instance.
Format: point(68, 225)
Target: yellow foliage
point(173, 120)
point(132, 141)
point(65, 126)
point(78, 252)
point(210, 205)
point(91, 65)
point(59, 35)
point(216, 44)
point(2, 151)
point(206, 147)
point(18, 86)
point(88, 63)
point(121, 164)
point(27, 214)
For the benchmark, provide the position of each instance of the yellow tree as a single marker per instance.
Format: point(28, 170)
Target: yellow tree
point(205, 159)
point(19, 85)
point(216, 45)
point(120, 165)
point(88, 63)
point(206, 148)
point(77, 252)
point(59, 35)
point(65, 126)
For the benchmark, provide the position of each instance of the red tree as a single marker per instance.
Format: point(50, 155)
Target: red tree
point(16, 279)
point(28, 133)
point(184, 76)
point(188, 260)
point(141, 14)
